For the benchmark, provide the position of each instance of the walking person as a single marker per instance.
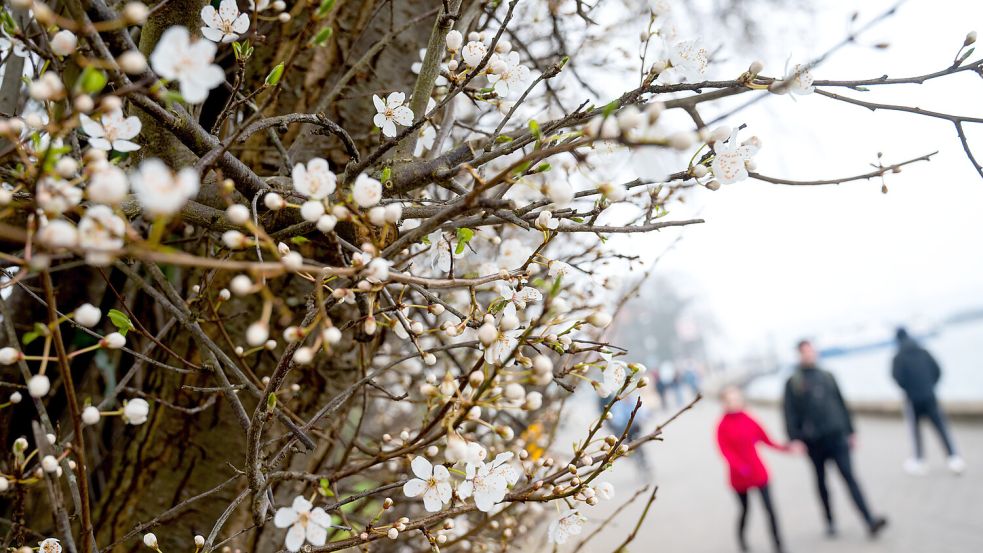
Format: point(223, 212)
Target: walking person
point(917, 373)
point(817, 416)
point(738, 436)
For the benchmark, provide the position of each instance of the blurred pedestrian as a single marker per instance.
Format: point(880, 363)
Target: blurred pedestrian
point(817, 416)
point(917, 373)
point(738, 436)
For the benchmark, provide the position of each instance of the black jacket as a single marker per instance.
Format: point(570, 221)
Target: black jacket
point(916, 371)
point(814, 407)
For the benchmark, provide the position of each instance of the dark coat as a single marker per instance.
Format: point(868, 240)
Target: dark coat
point(915, 370)
point(814, 407)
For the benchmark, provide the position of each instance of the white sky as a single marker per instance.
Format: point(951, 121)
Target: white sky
point(784, 261)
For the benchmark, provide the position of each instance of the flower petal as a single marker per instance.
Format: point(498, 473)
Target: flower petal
point(241, 24)
point(395, 99)
point(421, 467)
point(100, 144)
point(295, 537)
point(90, 127)
point(389, 128)
point(380, 106)
point(431, 501)
point(213, 34)
point(301, 504)
point(403, 115)
point(125, 146)
point(285, 516)
point(316, 534)
point(321, 517)
point(441, 473)
point(129, 127)
point(210, 16)
point(228, 10)
point(414, 487)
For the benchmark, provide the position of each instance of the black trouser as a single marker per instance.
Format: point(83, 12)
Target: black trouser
point(835, 448)
point(742, 520)
point(929, 408)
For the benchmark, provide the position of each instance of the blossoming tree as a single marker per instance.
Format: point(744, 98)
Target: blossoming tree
point(275, 280)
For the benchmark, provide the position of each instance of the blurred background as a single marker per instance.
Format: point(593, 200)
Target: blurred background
point(843, 266)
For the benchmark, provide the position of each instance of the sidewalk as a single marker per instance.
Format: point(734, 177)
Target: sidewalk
point(695, 511)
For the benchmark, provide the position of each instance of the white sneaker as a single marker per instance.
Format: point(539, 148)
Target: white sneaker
point(956, 464)
point(916, 467)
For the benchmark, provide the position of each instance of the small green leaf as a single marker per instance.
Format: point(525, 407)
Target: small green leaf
point(322, 36)
point(120, 321)
point(503, 138)
point(300, 240)
point(464, 235)
point(387, 174)
point(274, 77)
point(324, 488)
point(610, 108)
point(534, 129)
point(542, 168)
point(271, 402)
point(92, 80)
point(324, 8)
point(39, 330)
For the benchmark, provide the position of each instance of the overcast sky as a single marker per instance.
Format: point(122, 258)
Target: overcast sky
point(784, 261)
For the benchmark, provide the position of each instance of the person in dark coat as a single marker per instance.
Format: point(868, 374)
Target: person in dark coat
point(817, 417)
point(917, 373)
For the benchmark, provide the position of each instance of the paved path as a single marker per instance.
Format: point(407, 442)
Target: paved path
point(695, 511)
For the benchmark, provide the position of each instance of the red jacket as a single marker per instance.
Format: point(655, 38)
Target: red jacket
point(738, 436)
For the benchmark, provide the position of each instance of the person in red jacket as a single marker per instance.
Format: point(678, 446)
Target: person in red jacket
point(738, 436)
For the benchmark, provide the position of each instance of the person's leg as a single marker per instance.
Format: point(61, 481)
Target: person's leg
point(776, 537)
point(916, 431)
point(934, 414)
point(841, 455)
point(817, 455)
point(742, 520)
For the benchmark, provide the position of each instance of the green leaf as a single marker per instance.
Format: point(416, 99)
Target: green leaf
point(610, 108)
point(271, 402)
point(300, 240)
point(39, 330)
point(542, 168)
point(534, 129)
point(274, 77)
point(503, 138)
point(387, 174)
point(464, 235)
point(324, 8)
point(324, 488)
point(322, 36)
point(120, 321)
point(92, 80)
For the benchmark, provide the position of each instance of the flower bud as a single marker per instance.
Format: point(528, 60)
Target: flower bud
point(454, 40)
point(91, 415)
point(150, 540)
point(135, 13)
point(49, 464)
point(38, 385)
point(132, 62)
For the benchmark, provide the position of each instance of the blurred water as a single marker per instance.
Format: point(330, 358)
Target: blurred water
point(866, 376)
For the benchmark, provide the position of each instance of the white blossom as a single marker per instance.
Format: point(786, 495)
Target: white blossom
point(176, 57)
point(64, 43)
point(56, 196)
point(10, 44)
point(441, 251)
point(473, 53)
point(391, 112)
point(100, 232)
point(569, 524)
point(798, 80)
point(224, 24)
point(512, 254)
point(366, 191)
point(49, 545)
point(38, 385)
point(502, 347)
point(689, 59)
point(113, 131)
point(518, 299)
point(108, 185)
point(488, 482)
point(91, 415)
point(161, 191)
point(87, 315)
point(432, 482)
point(305, 523)
point(512, 78)
point(315, 180)
point(58, 234)
point(417, 66)
point(135, 411)
point(730, 158)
